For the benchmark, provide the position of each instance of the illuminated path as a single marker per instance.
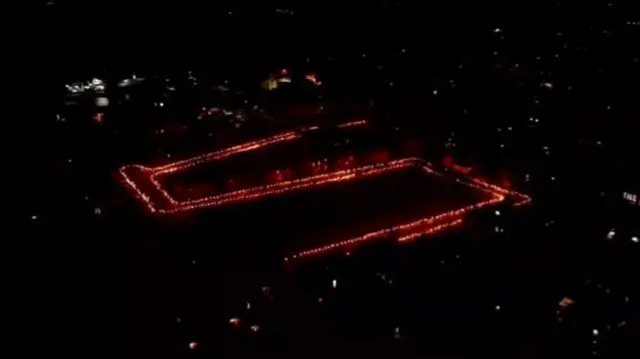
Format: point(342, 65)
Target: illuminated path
point(145, 182)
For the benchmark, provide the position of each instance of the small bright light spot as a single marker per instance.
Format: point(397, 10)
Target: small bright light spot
point(334, 283)
point(634, 239)
point(497, 308)
point(34, 217)
point(566, 302)
point(611, 234)
point(435, 92)
point(595, 332)
point(497, 213)
point(193, 345)
point(248, 305)
point(255, 328)
point(234, 321)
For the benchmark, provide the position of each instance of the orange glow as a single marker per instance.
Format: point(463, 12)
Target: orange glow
point(428, 225)
point(157, 200)
point(312, 77)
point(450, 163)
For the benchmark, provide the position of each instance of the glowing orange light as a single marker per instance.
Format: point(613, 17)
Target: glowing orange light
point(157, 200)
point(350, 124)
point(312, 77)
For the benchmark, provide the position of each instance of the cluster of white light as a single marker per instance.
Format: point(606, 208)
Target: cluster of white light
point(80, 87)
point(130, 81)
point(631, 197)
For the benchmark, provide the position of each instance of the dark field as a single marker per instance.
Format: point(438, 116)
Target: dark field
point(311, 218)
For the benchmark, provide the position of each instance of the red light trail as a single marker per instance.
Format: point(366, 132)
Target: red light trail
point(157, 200)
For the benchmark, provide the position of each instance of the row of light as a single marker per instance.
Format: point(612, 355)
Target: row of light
point(186, 164)
point(454, 218)
point(145, 199)
point(209, 157)
point(354, 123)
point(524, 199)
point(213, 156)
point(431, 230)
point(287, 186)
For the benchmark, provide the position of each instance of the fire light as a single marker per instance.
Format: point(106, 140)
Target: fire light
point(354, 123)
point(157, 200)
point(312, 78)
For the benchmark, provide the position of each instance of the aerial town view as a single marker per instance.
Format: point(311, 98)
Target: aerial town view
point(412, 181)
